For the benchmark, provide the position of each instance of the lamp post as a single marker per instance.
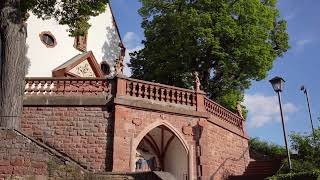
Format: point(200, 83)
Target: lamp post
point(310, 116)
point(277, 84)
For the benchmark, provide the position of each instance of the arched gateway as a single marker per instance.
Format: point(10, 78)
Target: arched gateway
point(161, 148)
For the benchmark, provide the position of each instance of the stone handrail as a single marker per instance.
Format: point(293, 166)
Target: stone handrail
point(159, 92)
point(220, 111)
point(67, 86)
point(129, 87)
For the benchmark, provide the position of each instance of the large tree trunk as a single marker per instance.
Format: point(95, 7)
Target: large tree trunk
point(12, 63)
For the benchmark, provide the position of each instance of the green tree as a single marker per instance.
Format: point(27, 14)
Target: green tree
point(229, 42)
point(269, 150)
point(13, 32)
point(307, 149)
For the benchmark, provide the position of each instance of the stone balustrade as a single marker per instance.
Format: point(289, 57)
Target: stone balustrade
point(160, 92)
point(220, 111)
point(67, 86)
point(131, 88)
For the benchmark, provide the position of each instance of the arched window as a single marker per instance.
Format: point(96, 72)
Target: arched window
point(105, 67)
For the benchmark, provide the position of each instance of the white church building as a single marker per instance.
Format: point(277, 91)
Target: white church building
point(53, 53)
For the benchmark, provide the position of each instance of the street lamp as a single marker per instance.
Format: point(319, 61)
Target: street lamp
point(277, 84)
point(310, 116)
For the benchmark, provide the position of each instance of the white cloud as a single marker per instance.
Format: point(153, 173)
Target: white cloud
point(131, 40)
point(127, 70)
point(133, 43)
point(265, 109)
point(303, 42)
point(300, 45)
point(290, 16)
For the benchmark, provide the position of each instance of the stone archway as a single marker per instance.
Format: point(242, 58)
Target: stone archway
point(161, 148)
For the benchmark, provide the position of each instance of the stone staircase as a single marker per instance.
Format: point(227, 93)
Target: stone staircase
point(148, 175)
point(259, 170)
point(164, 175)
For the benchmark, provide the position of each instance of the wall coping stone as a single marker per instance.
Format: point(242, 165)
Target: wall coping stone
point(66, 100)
point(159, 106)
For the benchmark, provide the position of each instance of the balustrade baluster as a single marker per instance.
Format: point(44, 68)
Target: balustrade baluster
point(140, 90)
point(189, 99)
point(41, 87)
point(74, 89)
point(86, 87)
point(93, 88)
point(134, 89)
point(29, 88)
point(144, 91)
point(161, 94)
point(47, 89)
point(80, 87)
point(183, 98)
point(175, 95)
point(54, 87)
point(129, 88)
point(157, 93)
point(148, 91)
point(151, 92)
point(170, 95)
point(164, 92)
point(36, 87)
point(60, 87)
point(67, 88)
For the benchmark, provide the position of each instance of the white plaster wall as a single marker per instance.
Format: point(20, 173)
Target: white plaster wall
point(176, 160)
point(103, 40)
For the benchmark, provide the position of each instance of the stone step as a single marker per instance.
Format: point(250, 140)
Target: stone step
point(164, 175)
point(248, 177)
point(257, 170)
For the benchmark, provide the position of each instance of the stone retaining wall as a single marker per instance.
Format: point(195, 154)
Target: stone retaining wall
point(19, 156)
point(84, 134)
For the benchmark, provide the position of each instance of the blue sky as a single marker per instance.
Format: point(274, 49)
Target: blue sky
point(300, 65)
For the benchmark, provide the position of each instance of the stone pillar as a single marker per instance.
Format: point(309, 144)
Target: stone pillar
point(121, 142)
point(191, 163)
point(200, 101)
point(203, 150)
point(121, 86)
point(132, 155)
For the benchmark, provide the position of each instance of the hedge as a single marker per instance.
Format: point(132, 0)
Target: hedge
point(312, 175)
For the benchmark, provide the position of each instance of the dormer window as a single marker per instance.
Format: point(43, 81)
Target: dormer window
point(48, 39)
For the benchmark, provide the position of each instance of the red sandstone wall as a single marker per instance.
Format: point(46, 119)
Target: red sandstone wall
point(86, 135)
point(82, 133)
point(224, 153)
point(219, 152)
point(19, 156)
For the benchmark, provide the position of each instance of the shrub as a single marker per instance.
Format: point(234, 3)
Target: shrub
point(311, 175)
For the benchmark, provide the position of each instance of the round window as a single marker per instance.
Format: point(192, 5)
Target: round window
point(48, 39)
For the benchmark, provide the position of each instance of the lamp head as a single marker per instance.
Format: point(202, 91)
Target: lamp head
point(277, 83)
